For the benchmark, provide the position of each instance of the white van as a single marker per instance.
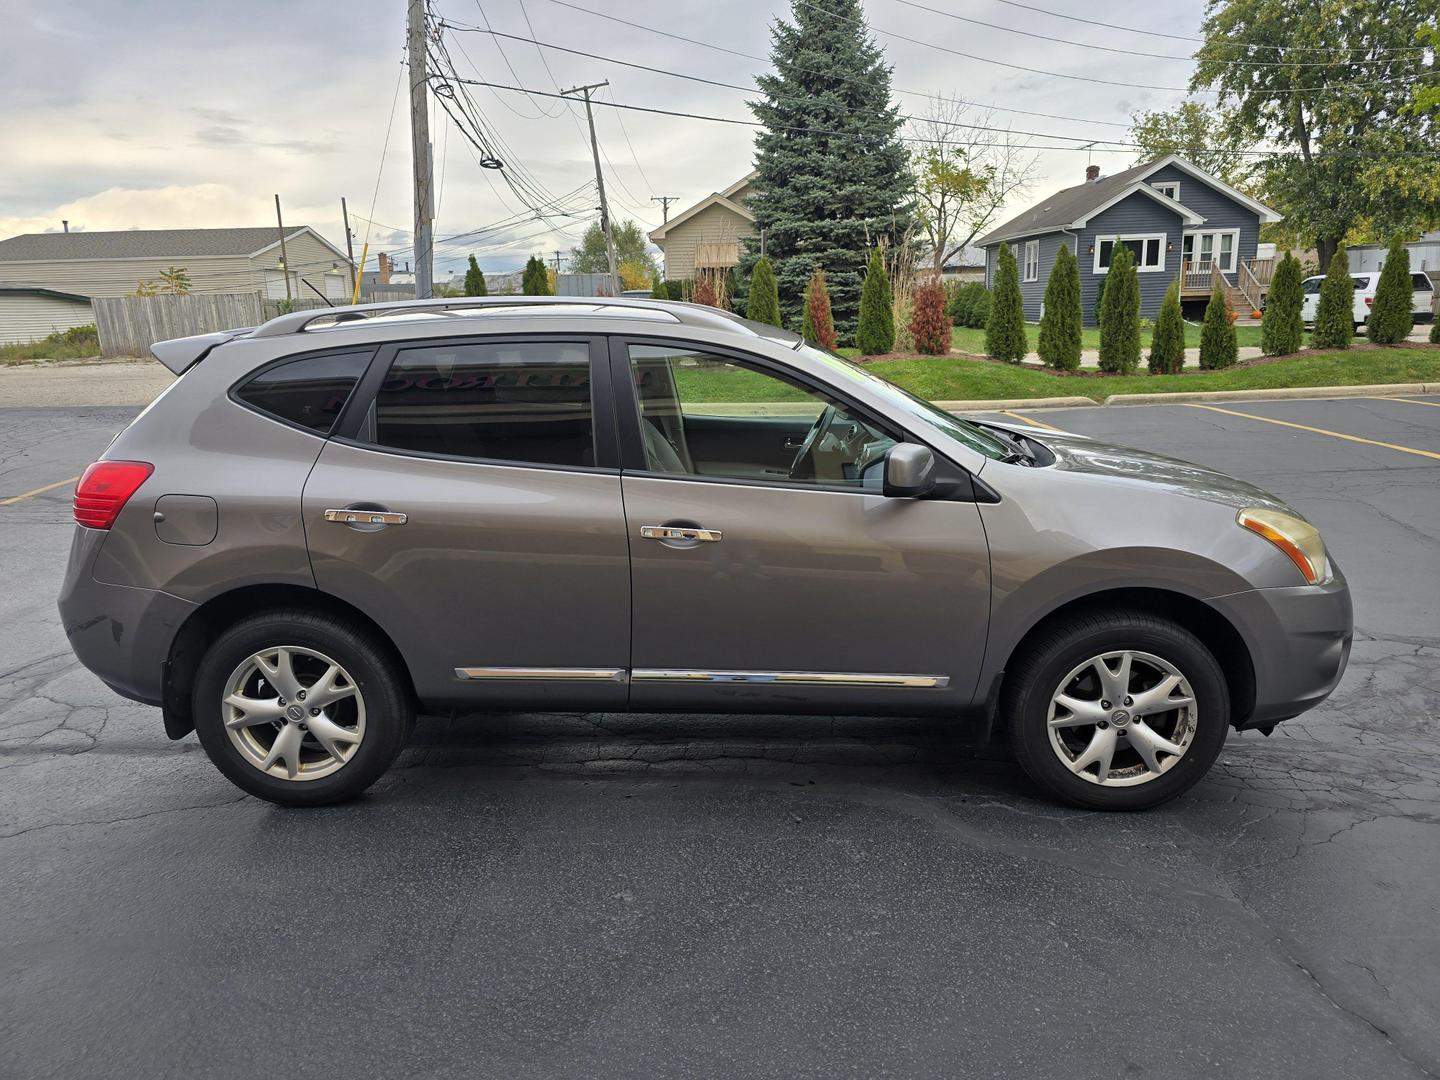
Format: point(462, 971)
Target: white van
point(1365, 283)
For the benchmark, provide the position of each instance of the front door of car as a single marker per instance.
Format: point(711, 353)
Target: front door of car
point(769, 572)
point(471, 507)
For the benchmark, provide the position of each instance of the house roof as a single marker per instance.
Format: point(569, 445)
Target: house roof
point(147, 244)
point(718, 198)
point(1073, 206)
point(10, 288)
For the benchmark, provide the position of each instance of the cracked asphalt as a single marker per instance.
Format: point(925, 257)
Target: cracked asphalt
point(622, 895)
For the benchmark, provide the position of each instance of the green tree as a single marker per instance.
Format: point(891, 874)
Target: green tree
point(817, 324)
point(831, 171)
point(589, 256)
point(876, 331)
point(175, 280)
point(763, 303)
point(1283, 329)
point(1335, 313)
point(475, 280)
point(1060, 324)
point(1435, 332)
point(1198, 132)
point(1353, 147)
point(1217, 333)
point(1392, 316)
point(1167, 344)
point(659, 291)
point(535, 281)
point(1120, 314)
point(1005, 332)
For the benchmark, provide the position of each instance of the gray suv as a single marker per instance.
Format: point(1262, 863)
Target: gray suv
point(343, 517)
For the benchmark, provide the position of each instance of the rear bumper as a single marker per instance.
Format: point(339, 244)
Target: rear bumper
point(122, 634)
point(1299, 642)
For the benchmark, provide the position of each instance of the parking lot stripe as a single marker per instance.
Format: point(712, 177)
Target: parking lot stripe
point(1031, 420)
point(1320, 431)
point(1409, 401)
point(38, 491)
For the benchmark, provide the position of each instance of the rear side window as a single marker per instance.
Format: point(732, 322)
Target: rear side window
point(310, 391)
point(524, 402)
point(1422, 283)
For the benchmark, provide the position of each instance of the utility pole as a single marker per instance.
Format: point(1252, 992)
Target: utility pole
point(284, 259)
point(349, 243)
point(599, 182)
point(664, 201)
point(420, 149)
point(557, 264)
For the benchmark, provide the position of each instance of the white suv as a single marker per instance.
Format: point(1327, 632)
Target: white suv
point(1365, 284)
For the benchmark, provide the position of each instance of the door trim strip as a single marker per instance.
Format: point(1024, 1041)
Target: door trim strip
point(792, 678)
point(542, 673)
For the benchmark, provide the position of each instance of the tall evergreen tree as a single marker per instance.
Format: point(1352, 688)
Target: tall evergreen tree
point(875, 333)
point(1059, 345)
point(535, 281)
point(831, 171)
point(1005, 331)
point(1392, 316)
point(1217, 333)
point(1120, 314)
point(1335, 312)
point(475, 280)
point(1167, 344)
point(763, 304)
point(1283, 328)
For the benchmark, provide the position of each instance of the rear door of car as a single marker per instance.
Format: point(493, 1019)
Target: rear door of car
point(1424, 302)
point(470, 505)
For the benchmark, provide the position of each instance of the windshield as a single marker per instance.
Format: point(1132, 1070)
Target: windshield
point(962, 431)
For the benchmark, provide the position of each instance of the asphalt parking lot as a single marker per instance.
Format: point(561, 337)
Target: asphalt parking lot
point(619, 895)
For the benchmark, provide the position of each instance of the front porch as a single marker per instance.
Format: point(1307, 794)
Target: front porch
point(1246, 286)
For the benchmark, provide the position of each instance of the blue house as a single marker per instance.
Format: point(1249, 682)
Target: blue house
point(1176, 218)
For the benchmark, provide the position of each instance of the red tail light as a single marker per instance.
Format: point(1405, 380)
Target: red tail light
point(105, 488)
point(1369, 301)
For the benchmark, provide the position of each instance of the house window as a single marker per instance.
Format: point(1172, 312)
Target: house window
point(1170, 188)
point(1149, 252)
point(1202, 249)
point(1032, 260)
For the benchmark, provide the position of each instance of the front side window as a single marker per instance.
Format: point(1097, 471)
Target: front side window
point(522, 402)
point(1149, 252)
point(1032, 260)
point(1207, 248)
point(308, 392)
point(710, 416)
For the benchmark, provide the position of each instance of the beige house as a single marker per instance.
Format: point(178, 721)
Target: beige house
point(708, 235)
point(97, 264)
point(29, 312)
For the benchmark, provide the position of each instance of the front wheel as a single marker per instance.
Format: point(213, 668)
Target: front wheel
point(1117, 711)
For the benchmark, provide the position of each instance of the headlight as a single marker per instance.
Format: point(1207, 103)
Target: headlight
point(1294, 536)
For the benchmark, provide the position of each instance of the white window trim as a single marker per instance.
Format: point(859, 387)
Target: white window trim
point(1168, 188)
point(1162, 237)
point(1216, 233)
point(1031, 273)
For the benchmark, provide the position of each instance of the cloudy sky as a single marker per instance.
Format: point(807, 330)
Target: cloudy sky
point(128, 114)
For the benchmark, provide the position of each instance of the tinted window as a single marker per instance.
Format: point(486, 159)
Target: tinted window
point(310, 391)
point(1422, 282)
point(524, 402)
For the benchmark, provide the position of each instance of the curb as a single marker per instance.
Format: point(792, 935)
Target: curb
point(1001, 404)
point(1373, 390)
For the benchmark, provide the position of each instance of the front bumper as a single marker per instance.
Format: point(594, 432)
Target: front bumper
point(1299, 641)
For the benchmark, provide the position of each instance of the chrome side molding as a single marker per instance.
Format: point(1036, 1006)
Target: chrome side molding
point(543, 673)
point(791, 678)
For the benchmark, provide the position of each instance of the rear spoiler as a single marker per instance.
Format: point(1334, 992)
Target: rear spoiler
point(181, 354)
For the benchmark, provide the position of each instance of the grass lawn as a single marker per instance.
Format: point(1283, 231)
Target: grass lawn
point(958, 379)
point(969, 340)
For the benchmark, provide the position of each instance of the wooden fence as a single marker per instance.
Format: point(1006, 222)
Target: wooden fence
point(129, 325)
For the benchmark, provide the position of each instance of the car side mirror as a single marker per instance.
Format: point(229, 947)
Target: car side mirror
point(909, 471)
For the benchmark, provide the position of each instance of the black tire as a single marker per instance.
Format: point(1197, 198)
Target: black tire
point(389, 710)
point(1036, 676)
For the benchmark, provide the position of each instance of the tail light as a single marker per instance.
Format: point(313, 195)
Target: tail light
point(1369, 301)
point(105, 488)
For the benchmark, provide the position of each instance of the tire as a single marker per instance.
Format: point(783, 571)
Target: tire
point(362, 696)
point(1141, 772)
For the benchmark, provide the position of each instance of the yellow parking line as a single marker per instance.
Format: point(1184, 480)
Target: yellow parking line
point(1031, 420)
point(1411, 401)
point(1320, 431)
point(37, 491)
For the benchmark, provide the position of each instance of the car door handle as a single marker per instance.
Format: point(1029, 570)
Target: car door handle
point(366, 517)
point(679, 532)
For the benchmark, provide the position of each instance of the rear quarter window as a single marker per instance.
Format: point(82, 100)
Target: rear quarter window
point(308, 392)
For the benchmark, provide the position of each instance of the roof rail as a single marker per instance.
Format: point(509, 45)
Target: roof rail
point(698, 315)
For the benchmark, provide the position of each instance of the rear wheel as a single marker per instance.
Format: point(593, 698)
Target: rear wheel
point(299, 708)
point(1117, 711)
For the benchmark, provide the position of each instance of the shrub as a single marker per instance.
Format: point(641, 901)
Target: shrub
point(875, 333)
point(763, 303)
point(1059, 344)
point(1283, 330)
point(475, 280)
point(1391, 316)
point(818, 323)
point(1005, 331)
point(535, 281)
point(1217, 334)
point(705, 289)
point(1167, 344)
point(1099, 297)
point(1120, 314)
point(929, 325)
point(659, 291)
point(675, 289)
point(969, 305)
point(1335, 315)
point(1435, 332)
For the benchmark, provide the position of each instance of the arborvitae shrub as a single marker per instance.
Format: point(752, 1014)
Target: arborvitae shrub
point(1283, 330)
point(1059, 345)
point(1335, 313)
point(1217, 334)
point(535, 281)
point(1167, 345)
point(1391, 316)
point(929, 325)
point(818, 326)
point(1005, 331)
point(763, 304)
point(875, 333)
point(1120, 314)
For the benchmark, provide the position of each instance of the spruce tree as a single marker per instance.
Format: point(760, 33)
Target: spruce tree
point(831, 170)
point(875, 334)
point(1005, 331)
point(1391, 317)
point(1283, 329)
point(1059, 345)
point(817, 323)
point(1217, 333)
point(1120, 314)
point(763, 303)
point(475, 280)
point(1335, 314)
point(1167, 345)
point(534, 281)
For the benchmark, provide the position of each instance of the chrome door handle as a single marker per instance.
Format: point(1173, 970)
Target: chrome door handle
point(366, 517)
point(679, 532)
